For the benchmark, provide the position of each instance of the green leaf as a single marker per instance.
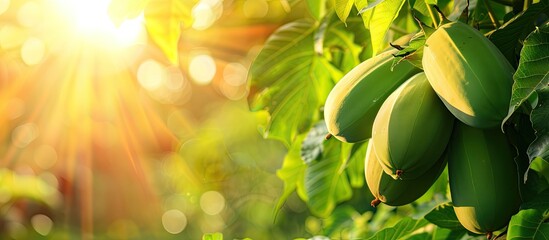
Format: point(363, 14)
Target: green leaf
point(419, 236)
point(292, 174)
point(343, 8)
point(540, 123)
point(344, 43)
point(445, 233)
point(379, 19)
point(317, 8)
point(421, 10)
point(288, 5)
point(508, 37)
point(355, 164)
point(120, 10)
point(326, 181)
point(290, 81)
point(404, 227)
point(413, 52)
point(531, 221)
point(532, 73)
point(541, 167)
point(444, 216)
point(164, 20)
point(313, 146)
point(212, 236)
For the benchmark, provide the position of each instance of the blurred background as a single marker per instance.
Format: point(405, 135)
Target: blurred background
point(102, 137)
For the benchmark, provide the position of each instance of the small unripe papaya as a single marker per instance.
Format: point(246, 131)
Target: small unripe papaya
point(483, 176)
point(468, 72)
point(411, 129)
point(352, 104)
point(397, 192)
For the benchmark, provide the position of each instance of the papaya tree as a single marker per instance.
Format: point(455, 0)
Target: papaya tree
point(323, 80)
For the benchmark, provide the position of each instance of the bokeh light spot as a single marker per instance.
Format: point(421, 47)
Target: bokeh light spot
point(150, 74)
point(202, 69)
point(232, 92)
point(42, 224)
point(174, 221)
point(203, 16)
point(255, 8)
point(175, 81)
point(24, 134)
point(212, 202)
point(33, 51)
point(45, 156)
point(29, 14)
point(235, 74)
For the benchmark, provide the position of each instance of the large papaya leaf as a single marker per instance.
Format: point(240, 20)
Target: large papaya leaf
point(344, 43)
point(164, 20)
point(403, 228)
point(326, 181)
point(444, 216)
point(343, 8)
point(120, 10)
point(292, 173)
point(312, 147)
point(531, 221)
point(540, 122)
point(290, 81)
point(531, 82)
point(317, 8)
point(533, 72)
point(378, 19)
point(508, 37)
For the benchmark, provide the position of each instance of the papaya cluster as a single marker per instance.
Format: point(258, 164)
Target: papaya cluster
point(418, 121)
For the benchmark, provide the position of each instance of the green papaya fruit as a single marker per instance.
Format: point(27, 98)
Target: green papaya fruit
point(411, 129)
point(397, 192)
point(483, 176)
point(352, 104)
point(469, 73)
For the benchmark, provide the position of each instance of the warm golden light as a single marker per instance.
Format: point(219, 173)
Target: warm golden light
point(202, 69)
point(95, 116)
point(89, 19)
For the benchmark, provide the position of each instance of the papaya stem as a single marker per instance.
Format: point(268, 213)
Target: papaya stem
point(375, 202)
point(399, 173)
point(328, 136)
point(526, 5)
point(491, 13)
point(433, 17)
point(489, 235)
point(441, 14)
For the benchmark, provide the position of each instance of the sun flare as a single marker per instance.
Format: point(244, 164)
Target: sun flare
point(90, 20)
point(68, 73)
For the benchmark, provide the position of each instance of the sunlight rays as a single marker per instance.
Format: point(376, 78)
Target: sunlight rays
point(80, 97)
